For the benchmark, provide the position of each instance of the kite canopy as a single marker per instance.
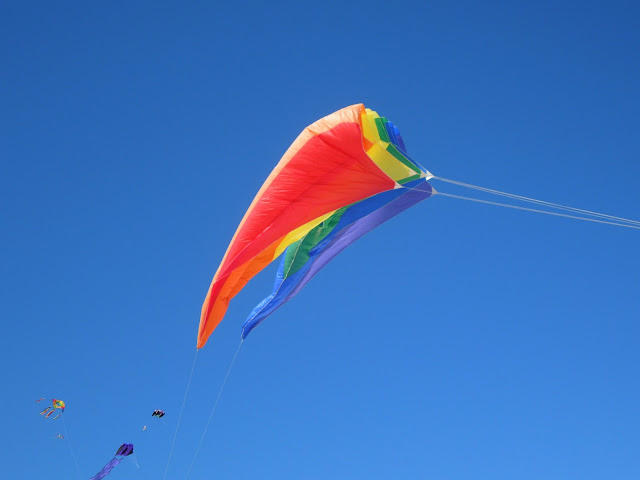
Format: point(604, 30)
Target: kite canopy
point(58, 404)
point(125, 450)
point(327, 190)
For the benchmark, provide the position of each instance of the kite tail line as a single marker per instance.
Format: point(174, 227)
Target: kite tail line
point(576, 213)
point(215, 406)
point(184, 401)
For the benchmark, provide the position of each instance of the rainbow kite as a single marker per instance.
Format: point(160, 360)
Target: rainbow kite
point(344, 175)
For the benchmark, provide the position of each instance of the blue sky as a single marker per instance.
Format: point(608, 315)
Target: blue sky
point(456, 341)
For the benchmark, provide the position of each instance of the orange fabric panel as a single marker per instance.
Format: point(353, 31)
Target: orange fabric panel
point(223, 291)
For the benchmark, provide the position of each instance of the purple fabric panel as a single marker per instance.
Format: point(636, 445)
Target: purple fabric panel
point(127, 450)
point(124, 450)
point(106, 469)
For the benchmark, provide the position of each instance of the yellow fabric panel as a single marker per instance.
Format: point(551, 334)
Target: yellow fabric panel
point(298, 233)
point(369, 129)
point(388, 163)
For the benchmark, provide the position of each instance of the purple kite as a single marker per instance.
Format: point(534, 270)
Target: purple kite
point(124, 450)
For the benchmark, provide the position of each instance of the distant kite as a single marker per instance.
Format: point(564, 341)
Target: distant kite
point(124, 450)
point(55, 404)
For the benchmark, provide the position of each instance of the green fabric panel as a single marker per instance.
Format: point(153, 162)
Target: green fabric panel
point(298, 252)
point(409, 179)
point(382, 131)
point(289, 255)
point(397, 154)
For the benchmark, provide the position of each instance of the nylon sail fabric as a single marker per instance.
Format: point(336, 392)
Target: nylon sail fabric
point(340, 160)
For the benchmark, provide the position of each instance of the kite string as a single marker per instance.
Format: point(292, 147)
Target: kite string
point(134, 458)
point(184, 401)
point(66, 436)
point(539, 202)
point(213, 410)
point(538, 211)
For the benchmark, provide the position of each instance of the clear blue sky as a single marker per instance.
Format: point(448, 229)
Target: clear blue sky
point(457, 341)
